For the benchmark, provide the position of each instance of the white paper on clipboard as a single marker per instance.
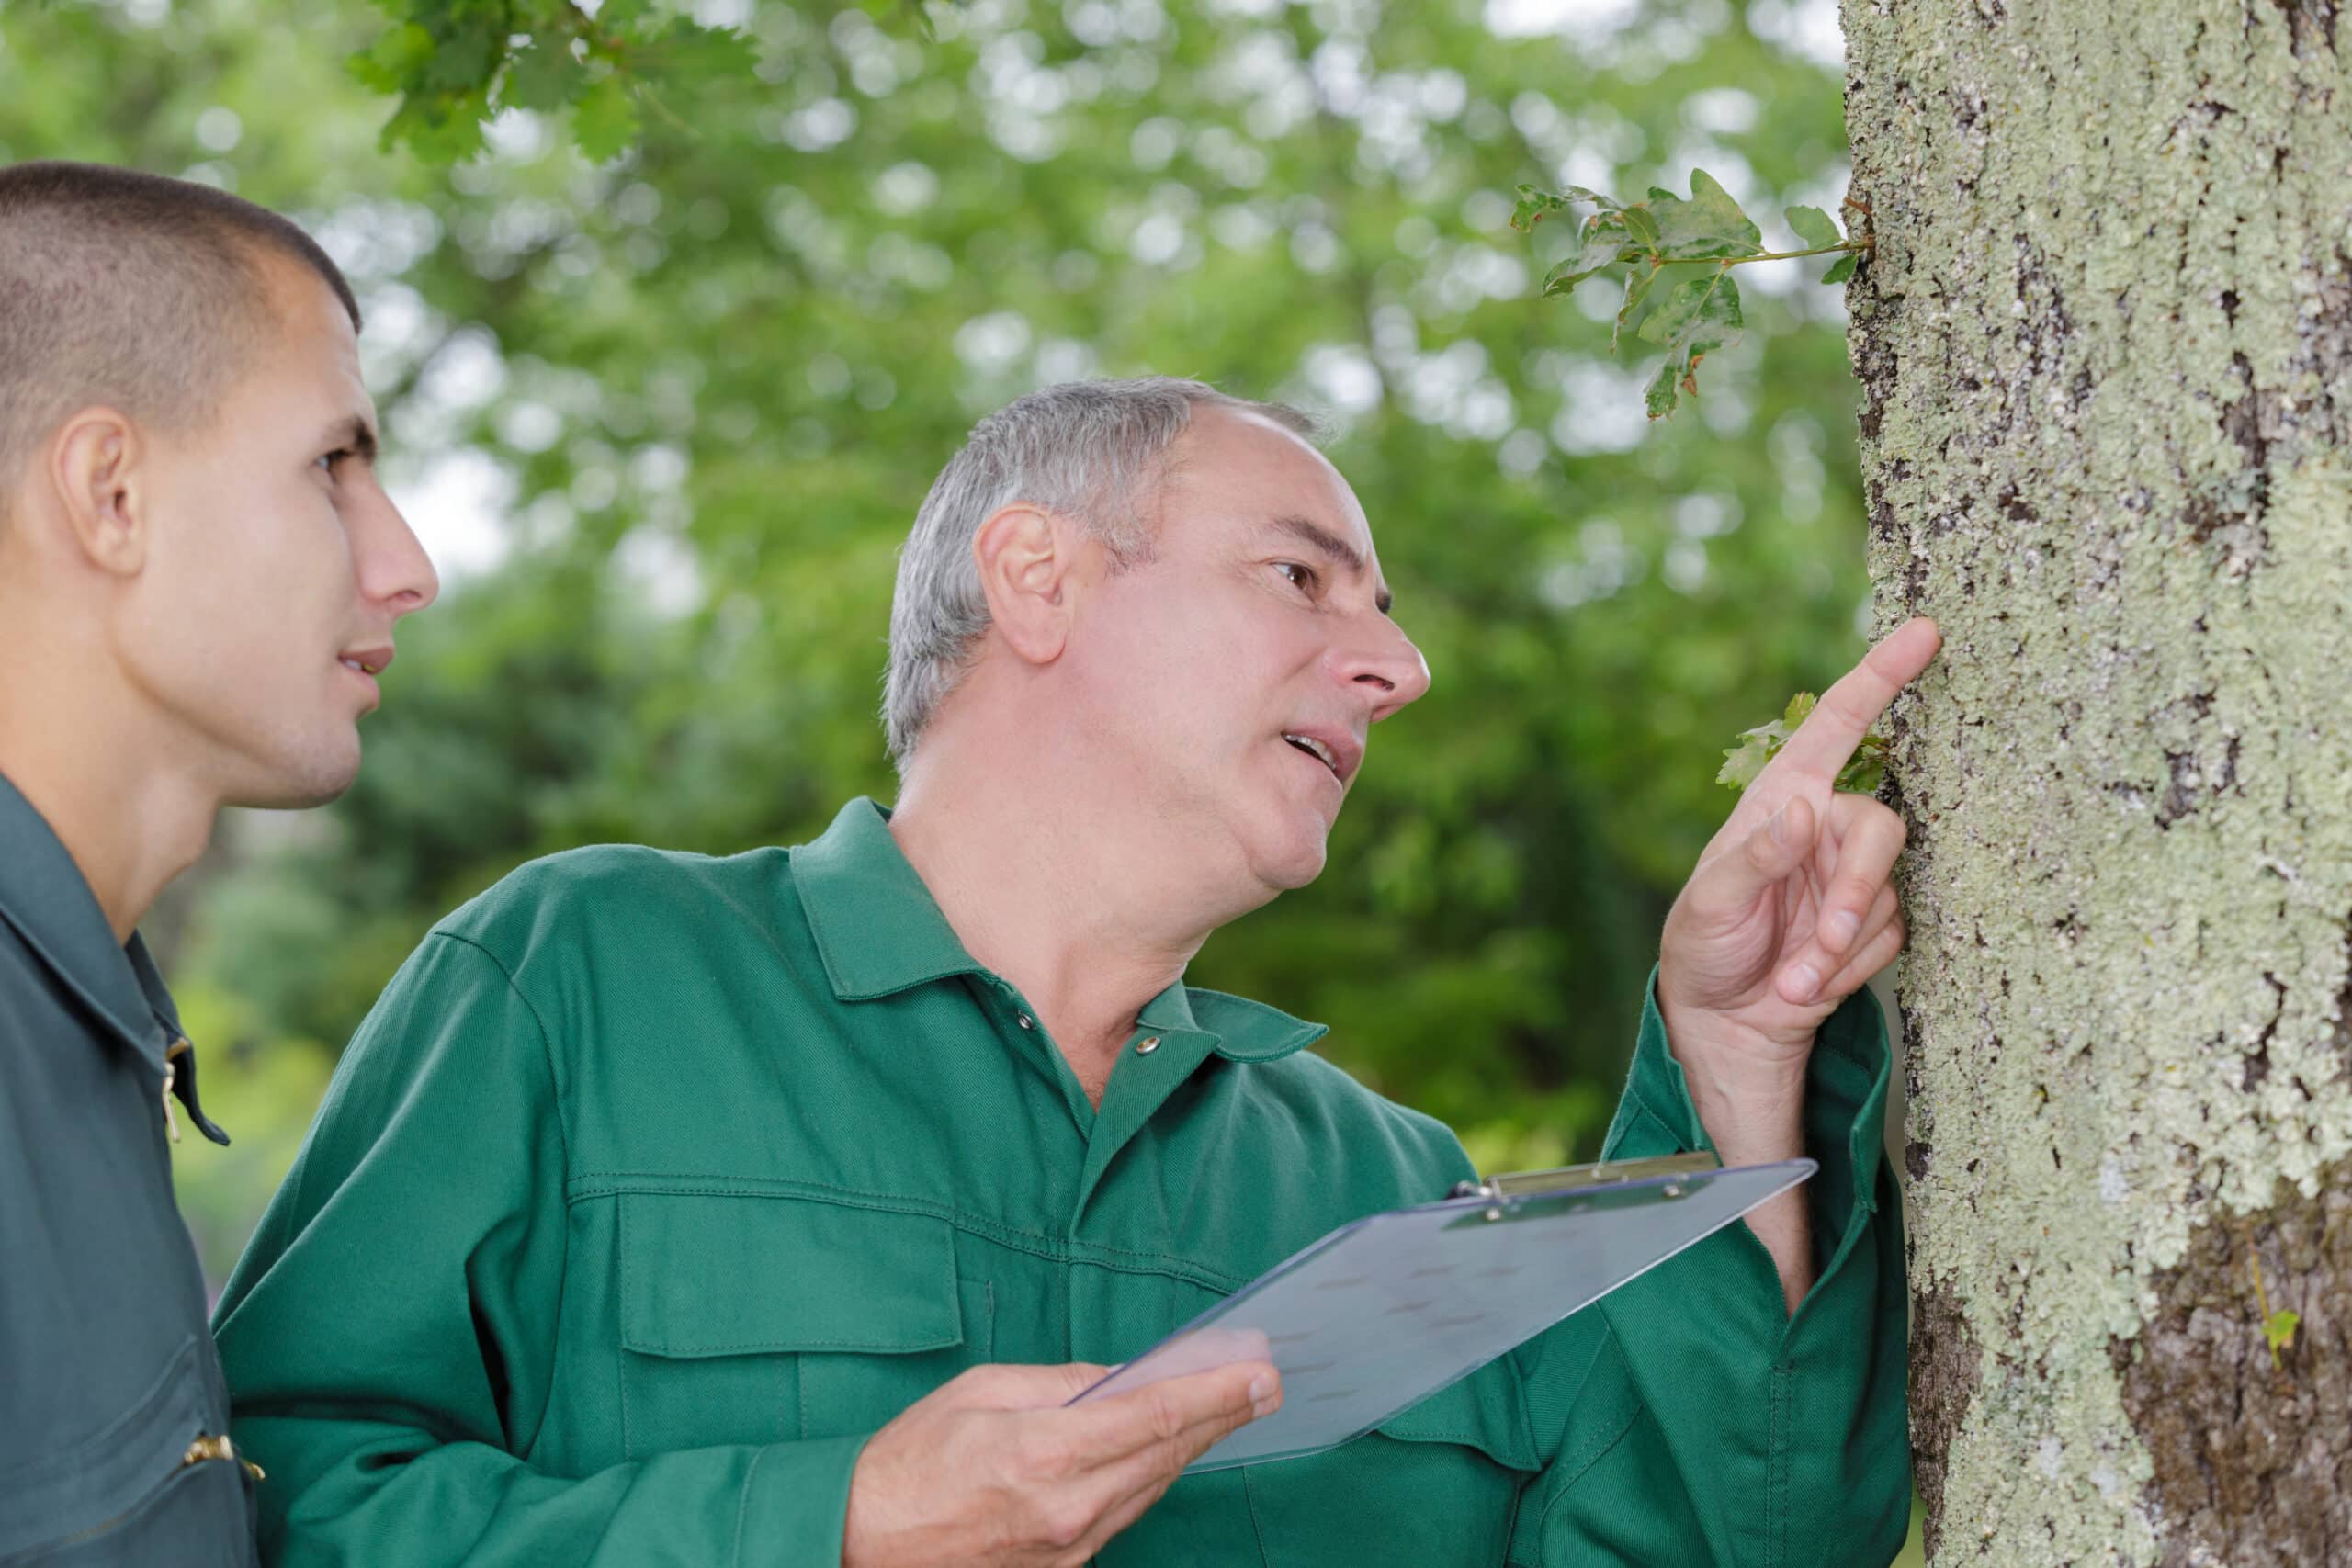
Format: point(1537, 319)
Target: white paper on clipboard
point(1386, 1311)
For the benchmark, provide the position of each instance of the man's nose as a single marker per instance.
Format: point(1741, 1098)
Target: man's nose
point(1381, 665)
point(394, 570)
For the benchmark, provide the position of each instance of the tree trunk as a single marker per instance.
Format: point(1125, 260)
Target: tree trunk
point(2105, 349)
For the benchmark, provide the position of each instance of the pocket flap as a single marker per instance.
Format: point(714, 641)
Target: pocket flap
point(80, 1490)
point(706, 1275)
point(1486, 1411)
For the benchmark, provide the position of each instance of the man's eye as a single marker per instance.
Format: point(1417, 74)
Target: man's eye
point(1302, 576)
point(327, 460)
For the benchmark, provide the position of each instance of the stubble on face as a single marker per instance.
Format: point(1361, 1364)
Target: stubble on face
point(234, 629)
point(1209, 653)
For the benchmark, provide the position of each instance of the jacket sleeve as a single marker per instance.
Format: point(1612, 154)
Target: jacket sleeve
point(390, 1335)
point(1698, 1421)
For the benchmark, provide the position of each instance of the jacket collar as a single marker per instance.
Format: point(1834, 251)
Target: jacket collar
point(45, 899)
point(880, 932)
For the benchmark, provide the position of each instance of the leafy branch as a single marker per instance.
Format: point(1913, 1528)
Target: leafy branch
point(454, 64)
point(1697, 315)
point(1863, 773)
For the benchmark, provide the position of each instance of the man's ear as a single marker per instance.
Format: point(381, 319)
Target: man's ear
point(1026, 558)
point(98, 477)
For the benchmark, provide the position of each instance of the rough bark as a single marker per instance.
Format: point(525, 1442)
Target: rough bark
point(2106, 347)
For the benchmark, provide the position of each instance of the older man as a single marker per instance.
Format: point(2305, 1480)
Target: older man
point(198, 579)
point(694, 1210)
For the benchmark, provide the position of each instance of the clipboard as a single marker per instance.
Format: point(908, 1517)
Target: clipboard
point(1389, 1309)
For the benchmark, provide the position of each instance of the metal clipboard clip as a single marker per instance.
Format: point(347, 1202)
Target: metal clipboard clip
point(1503, 1191)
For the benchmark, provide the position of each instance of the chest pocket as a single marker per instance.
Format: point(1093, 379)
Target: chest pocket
point(133, 1493)
point(1436, 1486)
point(759, 1319)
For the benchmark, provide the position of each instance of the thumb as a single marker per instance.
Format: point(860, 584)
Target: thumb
point(1774, 848)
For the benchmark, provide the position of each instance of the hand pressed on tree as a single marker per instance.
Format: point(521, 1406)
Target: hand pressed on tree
point(1791, 909)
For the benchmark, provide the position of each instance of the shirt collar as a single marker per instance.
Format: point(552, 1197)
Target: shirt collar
point(880, 932)
point(45, 898)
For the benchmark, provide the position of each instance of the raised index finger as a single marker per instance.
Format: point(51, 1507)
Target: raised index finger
point(1827, 738)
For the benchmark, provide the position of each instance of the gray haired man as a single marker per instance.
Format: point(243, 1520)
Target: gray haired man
point(772, 1208)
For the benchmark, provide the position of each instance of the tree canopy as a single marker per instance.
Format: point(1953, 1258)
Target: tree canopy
point(667, 362)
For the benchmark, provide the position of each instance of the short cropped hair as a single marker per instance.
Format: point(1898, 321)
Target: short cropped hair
point(1095, 451)
point(143, 293)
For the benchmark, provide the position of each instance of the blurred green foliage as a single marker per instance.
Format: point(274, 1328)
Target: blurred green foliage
point(666, 417)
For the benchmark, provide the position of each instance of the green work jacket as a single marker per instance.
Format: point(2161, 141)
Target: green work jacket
point(655, 1184)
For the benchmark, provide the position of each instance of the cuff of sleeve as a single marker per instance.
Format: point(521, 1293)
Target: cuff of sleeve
point(1844, 1110)
point(796, 1503)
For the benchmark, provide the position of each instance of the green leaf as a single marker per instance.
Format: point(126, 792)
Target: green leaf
point(1863, 772)
point(544, 76)
point(1744, 762)
point(1843, 267)
point(2280, 1329)
point(1641, 225)
point(1707, 306)
point(1604, 246)
point(1661, 396)
point(1866, 769)
point(464, 53)
point(1814, 226)
point(394, 59)
point(1699, 316)
point(1534, 205)
point(606, 121)
point(1637, 288)
point(688, 53)
point(1709, 224)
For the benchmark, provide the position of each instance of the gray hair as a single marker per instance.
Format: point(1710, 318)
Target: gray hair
point(1091, 450)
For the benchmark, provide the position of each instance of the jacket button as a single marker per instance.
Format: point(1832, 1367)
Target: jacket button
point(1023, 1020)
point(1146, 1045)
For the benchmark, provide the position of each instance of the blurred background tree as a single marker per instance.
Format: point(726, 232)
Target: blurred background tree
point(663, 416)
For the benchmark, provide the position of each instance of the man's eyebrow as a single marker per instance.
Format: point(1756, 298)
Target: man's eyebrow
point(356, 436)
point(1332, 547)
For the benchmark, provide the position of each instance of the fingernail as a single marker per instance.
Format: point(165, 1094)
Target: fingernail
point(1262, 1389)
point(1804, 979)
point(1779, 825)
point(1840, 928)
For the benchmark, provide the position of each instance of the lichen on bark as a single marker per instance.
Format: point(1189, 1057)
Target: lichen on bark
point(2106, 347)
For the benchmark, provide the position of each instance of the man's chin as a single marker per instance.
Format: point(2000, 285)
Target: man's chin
point(300, 783)
point(1291, 866)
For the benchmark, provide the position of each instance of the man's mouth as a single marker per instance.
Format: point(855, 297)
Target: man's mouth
point(367, 662)
point(1317, 750)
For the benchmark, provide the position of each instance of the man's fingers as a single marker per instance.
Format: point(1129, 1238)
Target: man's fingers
point(1164, 1412)
point(1801, 982)
point(1772, 849)
point(1117, 1492)
point(1876, 953)
point(1871, 839)
point(1845, 712)
point(1132, 1484)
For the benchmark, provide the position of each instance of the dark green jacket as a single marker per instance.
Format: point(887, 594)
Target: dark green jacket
point(107, 1375)
point(655, 1184)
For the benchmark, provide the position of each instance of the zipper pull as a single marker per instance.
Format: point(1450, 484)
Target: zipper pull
point(205, 1448)
point(171, 1118)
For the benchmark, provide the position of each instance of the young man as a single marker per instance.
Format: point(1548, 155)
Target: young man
point(689, 1211)
point(198, 579)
